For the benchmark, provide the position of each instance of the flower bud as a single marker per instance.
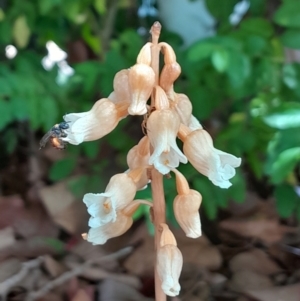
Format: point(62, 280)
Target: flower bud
point(144, 57)
point(169, 263)
point(168, 52)
point(138, 157)
point(186, 207)
point(217, 165)
point(141, 82)
point(166, 237)
point(169, 74)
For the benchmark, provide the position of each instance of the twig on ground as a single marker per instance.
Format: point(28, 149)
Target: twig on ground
point(6, 285)
point(75, 272)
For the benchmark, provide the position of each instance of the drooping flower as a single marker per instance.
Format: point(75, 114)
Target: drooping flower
point(186, 207)
point(96, 123)
point(104, 207)
point(217, 165)
point(169, 262)
point(111, 211)
point(162, 128)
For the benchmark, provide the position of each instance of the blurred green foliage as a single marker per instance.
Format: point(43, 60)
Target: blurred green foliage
point(244, 86)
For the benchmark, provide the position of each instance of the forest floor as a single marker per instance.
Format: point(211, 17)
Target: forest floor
point(247, 255)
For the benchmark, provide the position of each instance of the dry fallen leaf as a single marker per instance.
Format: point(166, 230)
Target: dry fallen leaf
point(81, 295)
point(111, 290)
point(7, 237)
point(64, 208)
point(9, 268)
point(254, 260)
point(269, 231)
point(26, 222)
point(53, 267)
point(281, 293)
point(245, 280)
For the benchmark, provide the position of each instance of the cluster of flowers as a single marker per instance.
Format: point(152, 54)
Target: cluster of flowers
point(170, 116)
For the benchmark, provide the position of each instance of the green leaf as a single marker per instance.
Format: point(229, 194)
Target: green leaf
point(19, 108)
point(91, 39)
point(21, 32)
point(290, 77)
point(61, 169)
point(48, 105)
point(237, 192)
point(255, 45)
point(221, 9)
point(259, 26)
point(285, 164)
point(239, 68)
point(78, 185)
point(5, 32)
point(5, 88)
point(220, 59)
point(6, 115)
point(286, 200)
point(199, 51)
point(209, 202)
point(288, 14)
point(100, 6)
point(287, 118)
point(46, 6)
point(291, 38)
point(91, 149)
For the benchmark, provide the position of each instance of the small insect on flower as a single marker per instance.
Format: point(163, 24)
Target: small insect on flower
point(54, 135)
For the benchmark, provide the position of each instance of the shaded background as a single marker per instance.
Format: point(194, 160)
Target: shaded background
point(240, 69)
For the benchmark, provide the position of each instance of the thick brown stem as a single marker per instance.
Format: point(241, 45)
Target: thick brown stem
point(159, 208)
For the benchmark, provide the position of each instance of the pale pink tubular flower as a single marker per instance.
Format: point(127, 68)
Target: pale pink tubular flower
point(217, 165)
point(186, 207)
point(169, 263)
point(96, 123)
point(162, 128)
point(111, 211)
point(103, 207)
